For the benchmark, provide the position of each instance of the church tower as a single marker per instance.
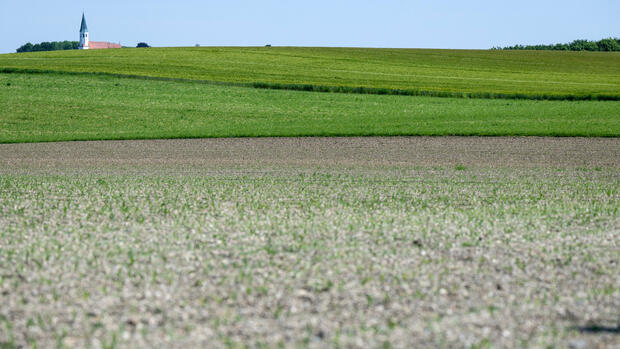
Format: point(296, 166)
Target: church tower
point(83, 34)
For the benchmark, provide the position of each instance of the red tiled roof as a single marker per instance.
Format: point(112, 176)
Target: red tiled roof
point(94, 45)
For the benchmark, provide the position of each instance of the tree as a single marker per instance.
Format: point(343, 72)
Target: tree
point(143, 44)
point(578, 45)
point(25, 48)
point(608, 45)
point(49, 46)
point(67, 45)
point(591, 46)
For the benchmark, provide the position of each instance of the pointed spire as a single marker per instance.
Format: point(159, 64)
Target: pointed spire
point(83, 27)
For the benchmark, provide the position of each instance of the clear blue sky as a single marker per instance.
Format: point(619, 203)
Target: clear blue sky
point(378, 23)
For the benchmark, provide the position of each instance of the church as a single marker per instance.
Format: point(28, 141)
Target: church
point(86, 44)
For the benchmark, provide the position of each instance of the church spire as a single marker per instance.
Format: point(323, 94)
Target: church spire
point(83, 34)
point(83, 27)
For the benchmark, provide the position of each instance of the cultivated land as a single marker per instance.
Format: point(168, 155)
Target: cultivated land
point(352, 242)
point(311, 242)
point(49, 107)
point(481, 73)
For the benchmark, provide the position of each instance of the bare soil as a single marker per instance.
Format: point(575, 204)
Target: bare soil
point(411, 151)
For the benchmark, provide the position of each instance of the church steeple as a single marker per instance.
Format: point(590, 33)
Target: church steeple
point(83, 34)
point(83, 27)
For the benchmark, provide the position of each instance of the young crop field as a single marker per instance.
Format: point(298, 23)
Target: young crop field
point(52, 107)
point(477, 73)
point(311, 242)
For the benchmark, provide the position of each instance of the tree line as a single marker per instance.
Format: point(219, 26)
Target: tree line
point(49, 46)
point(609, 44)
point(58, 45)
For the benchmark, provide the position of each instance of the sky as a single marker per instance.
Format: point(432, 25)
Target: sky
point(473, 24)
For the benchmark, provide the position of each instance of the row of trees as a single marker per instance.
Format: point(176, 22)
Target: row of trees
point(58, 45)
point(49, 46)
point(609, 44)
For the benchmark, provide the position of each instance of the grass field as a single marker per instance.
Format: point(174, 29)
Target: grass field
point(478, 73)
point(413, 242)
point(48, 107)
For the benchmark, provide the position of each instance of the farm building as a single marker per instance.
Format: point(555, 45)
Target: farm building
point(86, 44)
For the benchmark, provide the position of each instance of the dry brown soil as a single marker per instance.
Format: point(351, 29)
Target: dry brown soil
point(410, 151)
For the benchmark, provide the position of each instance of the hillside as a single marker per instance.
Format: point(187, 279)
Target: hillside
point(473, 73)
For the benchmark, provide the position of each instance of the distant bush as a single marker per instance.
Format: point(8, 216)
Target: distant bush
point(609, 44)
point(143, 44)
point(49, 46)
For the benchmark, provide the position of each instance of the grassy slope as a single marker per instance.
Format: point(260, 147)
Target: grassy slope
point(51, 107)
point(531, 74)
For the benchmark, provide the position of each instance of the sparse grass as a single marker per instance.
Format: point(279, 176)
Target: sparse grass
point(457, 73)
point(36, 108)
point(304, 255)
point(220, 254)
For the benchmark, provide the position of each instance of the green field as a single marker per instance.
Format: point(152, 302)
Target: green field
point(477, 73)
point(48, 107)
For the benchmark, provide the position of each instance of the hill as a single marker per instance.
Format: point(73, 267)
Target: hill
point(458, 73)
